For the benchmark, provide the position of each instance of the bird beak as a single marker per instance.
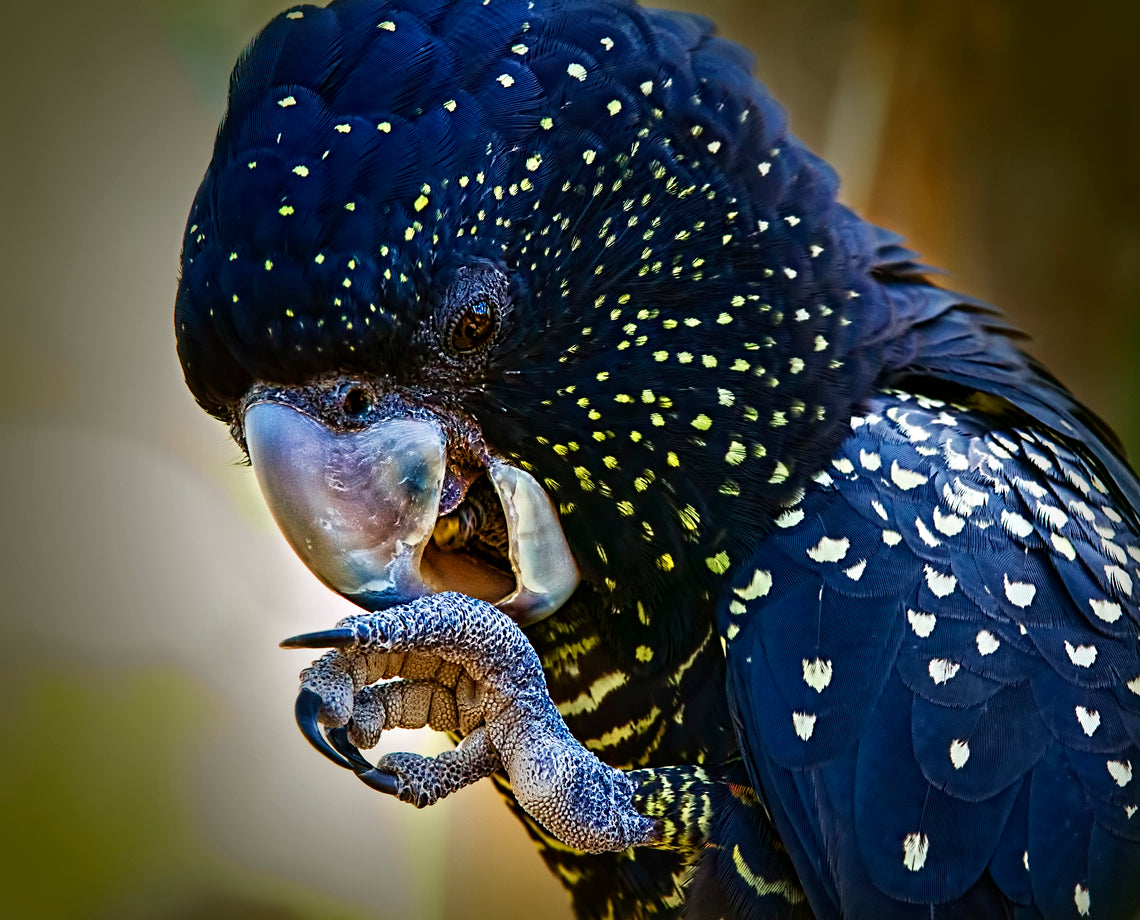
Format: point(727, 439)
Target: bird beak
point(361, 507)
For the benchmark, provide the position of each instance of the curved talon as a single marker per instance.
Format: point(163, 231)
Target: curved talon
point(340, 637)
point(380, 781)
point(306, 710)
point(338, 738)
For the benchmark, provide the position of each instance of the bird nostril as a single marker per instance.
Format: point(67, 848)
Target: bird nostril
point(357, 402)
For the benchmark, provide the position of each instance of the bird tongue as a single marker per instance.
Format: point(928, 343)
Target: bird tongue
point(359, 508)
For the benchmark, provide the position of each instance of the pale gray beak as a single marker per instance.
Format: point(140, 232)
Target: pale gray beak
point(360, 508)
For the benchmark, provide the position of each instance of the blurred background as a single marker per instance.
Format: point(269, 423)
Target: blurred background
point(151, 767)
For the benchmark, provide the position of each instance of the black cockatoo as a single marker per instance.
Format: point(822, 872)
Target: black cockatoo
point(767, 578)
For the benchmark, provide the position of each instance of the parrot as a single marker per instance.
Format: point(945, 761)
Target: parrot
point(764, 576)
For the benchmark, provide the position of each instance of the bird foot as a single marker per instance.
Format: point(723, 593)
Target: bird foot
point(453, 663)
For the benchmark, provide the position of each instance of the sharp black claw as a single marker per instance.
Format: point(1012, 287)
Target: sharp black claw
point(306, 710)
point(338, 738)
point(382, 782)
point(340, 637)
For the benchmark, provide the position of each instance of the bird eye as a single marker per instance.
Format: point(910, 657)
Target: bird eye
point(474, 326)
point(357, 402)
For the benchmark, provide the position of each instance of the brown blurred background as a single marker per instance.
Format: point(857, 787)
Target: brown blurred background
point(151, 768)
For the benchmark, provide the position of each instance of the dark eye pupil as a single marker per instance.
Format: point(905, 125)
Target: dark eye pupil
point(357, 402)
point(474, 326)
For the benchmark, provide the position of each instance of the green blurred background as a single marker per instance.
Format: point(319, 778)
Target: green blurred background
point(150, 765)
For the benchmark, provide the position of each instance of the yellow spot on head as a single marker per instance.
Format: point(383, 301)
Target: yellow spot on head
point(387, 25)
point(672, 459)
point(708, 360)
point(718, 563)
point(689, 518)
point(644, 653)
point(702, 422)
point(286, 102)
point(421, 203)
point(665, 562)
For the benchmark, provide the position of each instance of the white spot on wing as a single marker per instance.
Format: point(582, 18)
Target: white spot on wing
point(987, 642)
point(924, 533)
point(870, 460)
point(959, 753)
point(1054, 518)
point(1081, 899)
point(949, 524)
point(1082, 656)
point(882, 512)
point(915, 847)
point(1063, 546)
point(941, 670)
point(1119, 578)
point(760, 585)
point(1089, 719)
point(790, 518)
point(906, 479)
point(1019, 593)
point(830, 549)
point(940, 585)
point(922, 623)
point(856, 571)
point(1015, 524)
point(892, 537)
point(817, 674)
point(1120, 771)
point(804, 724)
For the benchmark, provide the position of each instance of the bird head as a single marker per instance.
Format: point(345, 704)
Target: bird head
point(565, 255)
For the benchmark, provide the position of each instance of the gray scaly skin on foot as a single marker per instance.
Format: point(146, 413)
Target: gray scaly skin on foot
point(466, 666)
